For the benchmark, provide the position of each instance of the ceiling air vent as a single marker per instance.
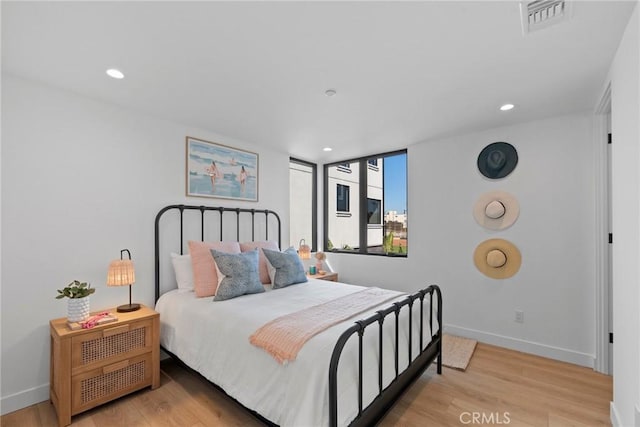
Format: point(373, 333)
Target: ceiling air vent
point(543, 13)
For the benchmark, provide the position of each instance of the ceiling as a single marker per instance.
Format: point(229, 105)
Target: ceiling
point(404, 72)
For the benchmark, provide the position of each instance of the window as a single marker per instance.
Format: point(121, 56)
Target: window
point(373, 211)
point(344, 167)
point(342, 201)
point(367, 214)
point(303, 210)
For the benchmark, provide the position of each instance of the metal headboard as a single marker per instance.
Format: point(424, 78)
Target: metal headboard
point(263, 213)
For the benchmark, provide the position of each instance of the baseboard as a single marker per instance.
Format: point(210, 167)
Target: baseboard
point(29, 397)
point(538, 349)
point(25, 398)
point(614, 416)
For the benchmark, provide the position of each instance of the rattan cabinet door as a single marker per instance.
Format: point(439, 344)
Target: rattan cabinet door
point(103, 384)
point(99, 348)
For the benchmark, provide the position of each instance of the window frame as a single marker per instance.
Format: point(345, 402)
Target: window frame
point(314, 199)
point(346, 191)
point(363, 201)
point(380, 214)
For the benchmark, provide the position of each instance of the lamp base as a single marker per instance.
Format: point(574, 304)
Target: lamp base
point(127, 308)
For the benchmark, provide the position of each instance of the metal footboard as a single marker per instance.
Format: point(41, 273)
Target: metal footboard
point(386, 397)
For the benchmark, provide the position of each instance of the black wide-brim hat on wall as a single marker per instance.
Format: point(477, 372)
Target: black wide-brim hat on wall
point(497, 160)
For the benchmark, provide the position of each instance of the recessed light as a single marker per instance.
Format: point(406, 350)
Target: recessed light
point(330, 92)
point(327, 149)
point(507, 107)
point(116, 74)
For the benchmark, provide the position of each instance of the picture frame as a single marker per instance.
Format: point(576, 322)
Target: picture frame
point(219, 171)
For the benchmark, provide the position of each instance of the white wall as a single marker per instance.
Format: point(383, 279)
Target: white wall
point(625, 127)
point(81, 180)
point(555, 286)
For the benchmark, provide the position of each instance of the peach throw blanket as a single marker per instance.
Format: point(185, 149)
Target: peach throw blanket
point(284, 337)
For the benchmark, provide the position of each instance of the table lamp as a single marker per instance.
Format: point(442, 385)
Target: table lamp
point(304, 251)
point(122, 273)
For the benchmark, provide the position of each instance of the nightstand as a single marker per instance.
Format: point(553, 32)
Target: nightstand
point(90, 367)
point(331, 276)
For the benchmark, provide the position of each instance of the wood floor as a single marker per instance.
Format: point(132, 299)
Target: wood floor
point(500, 387)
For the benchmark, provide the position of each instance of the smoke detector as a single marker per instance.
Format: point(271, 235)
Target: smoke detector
point(539, 14)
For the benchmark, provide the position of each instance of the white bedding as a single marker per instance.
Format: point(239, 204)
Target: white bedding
point(213, 338)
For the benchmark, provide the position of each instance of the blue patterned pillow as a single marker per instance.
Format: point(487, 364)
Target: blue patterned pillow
point(239, 274)
point(285, 268)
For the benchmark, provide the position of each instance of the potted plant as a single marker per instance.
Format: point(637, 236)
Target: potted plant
point(78, 304)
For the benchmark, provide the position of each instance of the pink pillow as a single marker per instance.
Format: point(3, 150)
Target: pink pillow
point(205, 277)
point(262, 263)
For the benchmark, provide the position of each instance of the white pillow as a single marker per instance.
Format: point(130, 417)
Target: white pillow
point(184, 271)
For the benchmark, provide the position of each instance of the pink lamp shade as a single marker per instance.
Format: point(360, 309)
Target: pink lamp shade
point(122, 273)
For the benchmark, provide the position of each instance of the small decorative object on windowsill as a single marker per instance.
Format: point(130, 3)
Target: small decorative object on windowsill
point(320, 257)
point(304, 251)
point(78, 306)
point(122, 273)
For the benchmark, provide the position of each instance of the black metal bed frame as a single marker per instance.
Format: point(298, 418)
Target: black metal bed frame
point(203, 210)
point(386, 396)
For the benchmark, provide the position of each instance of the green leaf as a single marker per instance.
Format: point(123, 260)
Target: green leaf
point(76, 289)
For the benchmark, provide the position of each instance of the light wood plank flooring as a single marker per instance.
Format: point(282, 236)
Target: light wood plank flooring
point(504, 386)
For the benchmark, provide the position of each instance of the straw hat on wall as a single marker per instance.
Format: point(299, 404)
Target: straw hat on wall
point(497, 258)
point(496, 210)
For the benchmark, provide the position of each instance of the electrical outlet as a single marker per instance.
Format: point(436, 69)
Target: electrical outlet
point(519, 316)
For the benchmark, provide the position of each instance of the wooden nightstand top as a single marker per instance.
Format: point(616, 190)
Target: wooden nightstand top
point(61, 327)
point(331, 276)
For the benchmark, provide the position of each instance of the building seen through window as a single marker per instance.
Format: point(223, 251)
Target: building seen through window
point(366, 205)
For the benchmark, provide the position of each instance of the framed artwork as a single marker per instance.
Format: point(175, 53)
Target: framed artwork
point(215, 170)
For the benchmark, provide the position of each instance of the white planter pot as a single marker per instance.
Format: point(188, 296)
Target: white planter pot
point(78, 309)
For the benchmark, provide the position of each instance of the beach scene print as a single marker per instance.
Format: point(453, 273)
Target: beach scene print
point(215, 170)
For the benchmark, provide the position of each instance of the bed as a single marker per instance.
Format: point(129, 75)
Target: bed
point(349, 374)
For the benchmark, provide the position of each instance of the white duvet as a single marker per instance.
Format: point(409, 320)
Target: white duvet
point(213, 338)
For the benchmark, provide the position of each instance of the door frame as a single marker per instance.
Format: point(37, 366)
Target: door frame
point(603, 248)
